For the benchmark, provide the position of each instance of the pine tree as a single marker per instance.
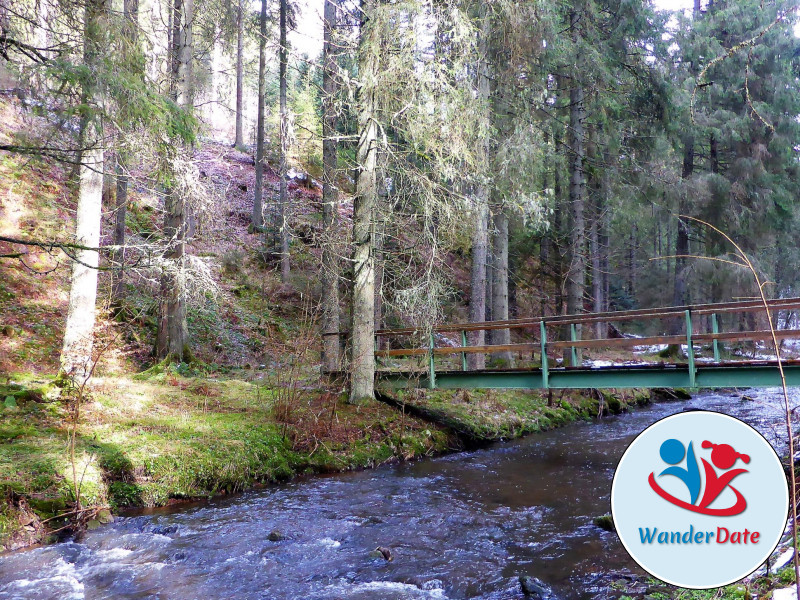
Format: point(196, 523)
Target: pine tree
point(172, 341)
point(362, 360)
point(329, 276)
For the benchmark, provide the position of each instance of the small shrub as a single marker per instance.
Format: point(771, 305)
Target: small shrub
point(232, 261)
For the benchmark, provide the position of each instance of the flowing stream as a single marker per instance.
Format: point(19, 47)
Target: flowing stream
point(459, 526)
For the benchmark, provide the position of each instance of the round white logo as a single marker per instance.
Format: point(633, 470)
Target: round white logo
point(699, 499)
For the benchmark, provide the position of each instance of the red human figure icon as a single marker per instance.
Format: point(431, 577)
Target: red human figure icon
point(724, 457)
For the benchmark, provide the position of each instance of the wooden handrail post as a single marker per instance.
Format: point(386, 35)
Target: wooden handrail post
point(545, 374)
point(715, 330)
point(573, 337)
point(463, 354)
point(690, 349)
point(431, 369)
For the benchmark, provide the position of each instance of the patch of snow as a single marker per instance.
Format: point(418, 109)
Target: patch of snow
point(789, 593)
point(782, 560)
point(649, 349)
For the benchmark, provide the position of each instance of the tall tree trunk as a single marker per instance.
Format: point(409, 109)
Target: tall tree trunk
point(632, 247)
point(239, 72)
point(362, 363)
point(500, 286)
point(118, 257)
point(599, 181)
point(379, 238)
point(713, 154)
point(258, 210)
point(172, 340)
point(546, 244)
point(602, 234)
point(330, 193)
point(560, 218)
point(679, 297)
point(480, 235)
point(489, 278)
point(76, 352)
point(131, 34)
point(597, 279)
point(477, 301)
point(284, 135)
point(576, 282)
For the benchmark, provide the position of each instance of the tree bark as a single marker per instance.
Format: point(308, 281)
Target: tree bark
point(284, 143)
point(477, 302)
point(330, 193)
point(362, 363)
point(602, 235)
point(713, 154)
point(76, 353)
point(500, 286)
point(239, 72)
point(118, 257)
point(172, 339)
point(597, 280)
point(576, 282)
point(258, 210)
point(489, 277)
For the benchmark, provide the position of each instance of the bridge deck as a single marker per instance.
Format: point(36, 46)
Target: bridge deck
point(546, 374)
point(738, 374)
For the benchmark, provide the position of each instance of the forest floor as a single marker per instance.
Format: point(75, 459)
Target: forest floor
point(252, 407)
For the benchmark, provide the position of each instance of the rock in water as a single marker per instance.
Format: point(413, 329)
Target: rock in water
point(534, 588)
point(276, 536)
point(384, 552)
point(604, 522)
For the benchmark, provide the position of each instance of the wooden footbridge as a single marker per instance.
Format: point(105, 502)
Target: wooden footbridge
point(702, 362)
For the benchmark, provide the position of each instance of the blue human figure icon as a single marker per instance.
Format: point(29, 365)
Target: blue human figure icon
point(672, 453)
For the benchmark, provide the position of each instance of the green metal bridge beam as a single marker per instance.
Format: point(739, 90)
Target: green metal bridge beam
point(744, 376)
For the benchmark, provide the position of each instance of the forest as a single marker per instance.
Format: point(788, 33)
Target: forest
point(208, 210)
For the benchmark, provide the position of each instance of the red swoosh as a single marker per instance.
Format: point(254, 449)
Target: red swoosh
point(736, 509)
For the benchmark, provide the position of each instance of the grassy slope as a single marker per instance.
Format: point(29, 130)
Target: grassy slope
point(148, 439)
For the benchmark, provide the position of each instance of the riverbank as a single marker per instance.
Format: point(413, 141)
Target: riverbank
point(484, 416)
point(162, 437)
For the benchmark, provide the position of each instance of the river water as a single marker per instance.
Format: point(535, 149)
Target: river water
point(459, 526)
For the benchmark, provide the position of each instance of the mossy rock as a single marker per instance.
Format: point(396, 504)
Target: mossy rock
point(276, 536)
point(614, 404)
point(682, 394)
point(22, 394)
point(604, 522)
point(105, 516)
point(48, 507)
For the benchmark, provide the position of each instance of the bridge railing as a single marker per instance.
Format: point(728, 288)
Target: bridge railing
point(538, 327)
